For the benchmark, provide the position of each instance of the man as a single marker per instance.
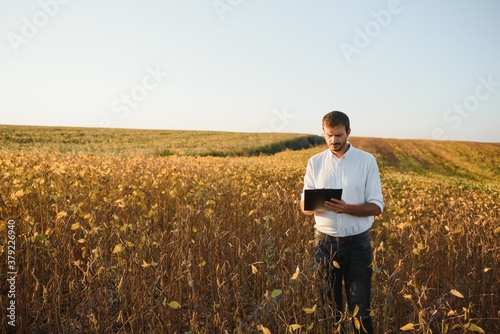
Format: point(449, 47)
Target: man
point(342, 241)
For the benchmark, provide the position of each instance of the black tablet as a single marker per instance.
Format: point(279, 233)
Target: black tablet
point(314, 199)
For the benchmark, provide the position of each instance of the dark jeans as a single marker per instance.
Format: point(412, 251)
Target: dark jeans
point(352, 267)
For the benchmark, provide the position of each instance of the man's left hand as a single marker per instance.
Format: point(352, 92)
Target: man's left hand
point(336, 205)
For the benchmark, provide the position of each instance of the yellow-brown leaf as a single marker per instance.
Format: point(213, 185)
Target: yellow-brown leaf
point(264, 330)
point(473, 327)
point(408, 327)
point(296, 274)
point(456, 293)
point(309, 310)
point(118, 249)
point(175, 305)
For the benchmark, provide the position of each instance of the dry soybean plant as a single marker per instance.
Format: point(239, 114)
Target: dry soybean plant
point(131, 244)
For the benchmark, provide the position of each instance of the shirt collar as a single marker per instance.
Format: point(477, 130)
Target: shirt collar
point(349, 151)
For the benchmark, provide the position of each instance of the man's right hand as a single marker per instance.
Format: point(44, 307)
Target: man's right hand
point(306, 212)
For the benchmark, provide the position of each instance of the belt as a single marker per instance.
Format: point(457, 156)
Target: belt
point(340, 240)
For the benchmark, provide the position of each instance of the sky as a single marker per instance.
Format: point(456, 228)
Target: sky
point(398, 68)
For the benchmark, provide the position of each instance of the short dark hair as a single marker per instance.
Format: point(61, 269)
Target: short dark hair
point(336, 118)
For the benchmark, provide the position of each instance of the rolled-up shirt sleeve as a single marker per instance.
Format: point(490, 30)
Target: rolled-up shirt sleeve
point(373, 189)
point(308, 179)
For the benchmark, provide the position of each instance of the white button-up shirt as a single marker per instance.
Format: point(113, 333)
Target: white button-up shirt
point(356, 172)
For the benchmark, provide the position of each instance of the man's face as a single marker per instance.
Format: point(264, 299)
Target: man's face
point(336, 137)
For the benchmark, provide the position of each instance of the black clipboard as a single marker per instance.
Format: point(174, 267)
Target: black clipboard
point(314, 199)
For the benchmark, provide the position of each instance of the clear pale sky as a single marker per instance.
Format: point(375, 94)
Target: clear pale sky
point(400, 69)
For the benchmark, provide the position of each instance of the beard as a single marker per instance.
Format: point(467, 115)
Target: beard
point(337, 147)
